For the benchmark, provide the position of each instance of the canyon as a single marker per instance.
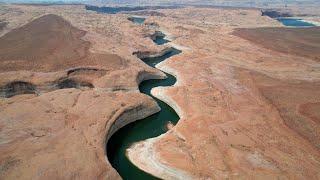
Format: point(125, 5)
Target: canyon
point(246, 93)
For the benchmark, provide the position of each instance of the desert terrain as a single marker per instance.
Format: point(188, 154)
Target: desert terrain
point(247, 93)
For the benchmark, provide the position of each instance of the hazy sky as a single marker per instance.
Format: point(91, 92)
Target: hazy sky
point(42, 1)
point(148, 2)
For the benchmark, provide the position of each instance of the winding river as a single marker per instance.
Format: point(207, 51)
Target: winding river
point(149, 127)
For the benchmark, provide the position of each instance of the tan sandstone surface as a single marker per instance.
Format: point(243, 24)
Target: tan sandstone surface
point(246, 111)
point(64, 90)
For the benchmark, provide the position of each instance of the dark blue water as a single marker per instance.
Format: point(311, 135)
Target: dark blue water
point(149, 127)
point(114, 10)
point(119, 9)
point(294, 22)
point(160, 40)
point(137, 20)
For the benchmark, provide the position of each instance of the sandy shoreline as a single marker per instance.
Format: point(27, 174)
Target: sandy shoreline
point(144, 156)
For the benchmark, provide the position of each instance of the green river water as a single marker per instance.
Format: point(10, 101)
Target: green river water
point(149, 127)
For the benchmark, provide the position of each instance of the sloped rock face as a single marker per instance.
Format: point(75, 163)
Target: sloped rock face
point(17, 87)
point(150, 54)
point(62, 134)
point(298, 41)
point(296, 102)
point(274, 13)
point(42, 44)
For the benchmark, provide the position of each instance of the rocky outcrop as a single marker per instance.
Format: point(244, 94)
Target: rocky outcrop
point(82, 70)
point(275, 13)
point(65, 123)
point(81, 99)
point(70, 83)
point(130, 115)
point(3, 25)
point(143, 76)
point(157, 34)
point(147, 13)
point(34, 84)
point(17, 87)
point(150, 54)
